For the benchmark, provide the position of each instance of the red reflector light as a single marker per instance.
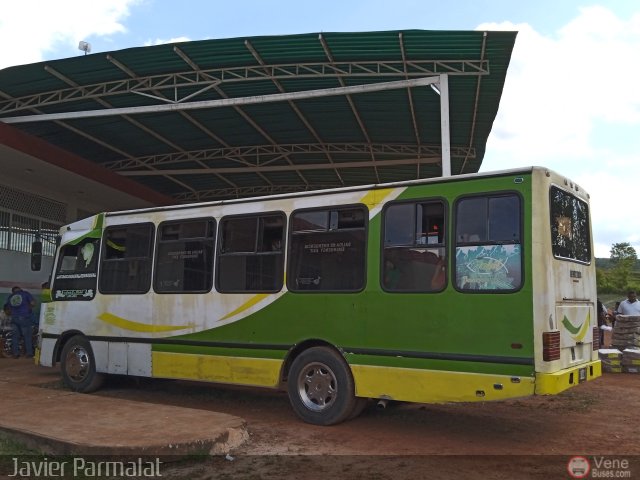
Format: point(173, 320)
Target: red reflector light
point(551, 346)
point(596, 338)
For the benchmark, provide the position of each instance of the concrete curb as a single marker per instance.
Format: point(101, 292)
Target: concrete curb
point(66, 423)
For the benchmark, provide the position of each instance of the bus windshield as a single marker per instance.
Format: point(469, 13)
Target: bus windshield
point(570, 239)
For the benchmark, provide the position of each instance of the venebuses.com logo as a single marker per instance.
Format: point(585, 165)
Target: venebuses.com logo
point(578, 467)
point(598, 467)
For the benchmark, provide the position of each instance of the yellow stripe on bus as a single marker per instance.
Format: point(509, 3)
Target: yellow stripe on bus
point(261, 372)
point(376, 196)
point(435, 386)
point(246, 305)
point(125, 324)
point(585, 327)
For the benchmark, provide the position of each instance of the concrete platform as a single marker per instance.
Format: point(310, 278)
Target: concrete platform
point(57, 421)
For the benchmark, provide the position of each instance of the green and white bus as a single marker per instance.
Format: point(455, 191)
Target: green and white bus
point(467, 288)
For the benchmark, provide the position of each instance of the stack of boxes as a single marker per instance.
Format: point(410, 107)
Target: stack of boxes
point(625, 355)
point(626, 332)
point(631, 360)
point(611, 359)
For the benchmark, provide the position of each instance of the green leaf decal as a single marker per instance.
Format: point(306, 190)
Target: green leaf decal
point(569, 326)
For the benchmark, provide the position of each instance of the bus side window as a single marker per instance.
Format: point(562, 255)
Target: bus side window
point(126, 262)
point(488, 249)
point(327, 250)
point(251, 255)
point(272, 234)
point(184, 256)
point(413, 257)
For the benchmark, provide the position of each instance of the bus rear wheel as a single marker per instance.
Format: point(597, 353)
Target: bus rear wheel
point(320, 387)
point(79, 366)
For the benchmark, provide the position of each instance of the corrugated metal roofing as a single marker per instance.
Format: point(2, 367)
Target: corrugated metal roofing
point(269, 147)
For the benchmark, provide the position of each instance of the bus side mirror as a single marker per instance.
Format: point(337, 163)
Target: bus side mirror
point(36, 256)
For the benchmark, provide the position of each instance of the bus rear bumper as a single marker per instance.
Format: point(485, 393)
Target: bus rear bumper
point(556, 382)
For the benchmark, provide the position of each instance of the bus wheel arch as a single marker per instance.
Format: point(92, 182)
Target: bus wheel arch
point(320, 384)
point(60, 343)
point(294, 352)
point(78, 365)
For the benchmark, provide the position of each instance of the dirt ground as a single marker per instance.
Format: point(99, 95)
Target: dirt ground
point(528, 438)
point(525, 438)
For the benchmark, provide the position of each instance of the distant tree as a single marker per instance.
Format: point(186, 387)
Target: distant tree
point(603, 281)
point(623, 258)
point(623, 252)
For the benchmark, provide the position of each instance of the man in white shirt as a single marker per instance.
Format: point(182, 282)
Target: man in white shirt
point(630, 306)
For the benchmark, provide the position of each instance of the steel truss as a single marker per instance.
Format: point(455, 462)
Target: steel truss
point(250, 191)
point(184, 90)
point(206, 79)
point(263, 155)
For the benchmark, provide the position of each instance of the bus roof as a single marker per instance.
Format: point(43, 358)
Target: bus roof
point(422, 181)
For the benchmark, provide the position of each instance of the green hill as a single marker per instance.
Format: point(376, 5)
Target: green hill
point(606, 264)
point(605, 294)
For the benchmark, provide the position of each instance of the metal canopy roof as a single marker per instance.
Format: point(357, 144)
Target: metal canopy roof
point(239, 117)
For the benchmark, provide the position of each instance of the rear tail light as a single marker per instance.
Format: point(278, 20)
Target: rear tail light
point(551, 346)
point(596, 338)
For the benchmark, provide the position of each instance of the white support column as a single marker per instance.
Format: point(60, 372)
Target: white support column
point(444, 125)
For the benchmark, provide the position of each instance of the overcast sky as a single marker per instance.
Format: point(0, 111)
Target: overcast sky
point(571, 100)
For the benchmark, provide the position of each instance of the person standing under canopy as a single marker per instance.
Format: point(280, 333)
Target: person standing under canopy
point(19, 306)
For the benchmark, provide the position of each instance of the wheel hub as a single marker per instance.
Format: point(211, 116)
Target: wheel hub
point(77, 364)
point(317, 386)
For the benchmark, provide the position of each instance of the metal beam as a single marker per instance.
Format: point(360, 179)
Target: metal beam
point(475, 103)
point(104, 103)
point(251, 154)
point(444, 125)
point(416, 131)
point(356, 114)
point(252, 191)
point(226, 102)
point(143, 127)
point(293, 106)
point(240, 112)
point(275, 168)
point(200, 126)
point(209, 77)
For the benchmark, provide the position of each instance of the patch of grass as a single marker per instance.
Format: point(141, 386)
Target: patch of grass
point(54, 385)
point(578, 401)
point(9, 446)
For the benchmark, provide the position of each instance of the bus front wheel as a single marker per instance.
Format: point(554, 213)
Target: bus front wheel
point(320, 387)
point(79, 367)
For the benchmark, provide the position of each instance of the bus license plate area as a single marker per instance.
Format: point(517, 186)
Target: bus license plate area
point(582, 374)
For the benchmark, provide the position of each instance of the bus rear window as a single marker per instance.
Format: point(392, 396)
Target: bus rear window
point(570, 238)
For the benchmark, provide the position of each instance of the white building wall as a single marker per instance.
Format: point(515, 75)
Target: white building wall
point(15, 269)
point(79, 202)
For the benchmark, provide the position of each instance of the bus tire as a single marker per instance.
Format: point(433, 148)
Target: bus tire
point(78, 366)
point(359, 406)
point(320, 387)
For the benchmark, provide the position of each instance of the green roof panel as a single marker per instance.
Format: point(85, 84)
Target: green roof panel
point(222, 150)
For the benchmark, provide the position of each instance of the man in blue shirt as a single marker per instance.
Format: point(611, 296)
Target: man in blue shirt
point(630, 306)
point(19, 306)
